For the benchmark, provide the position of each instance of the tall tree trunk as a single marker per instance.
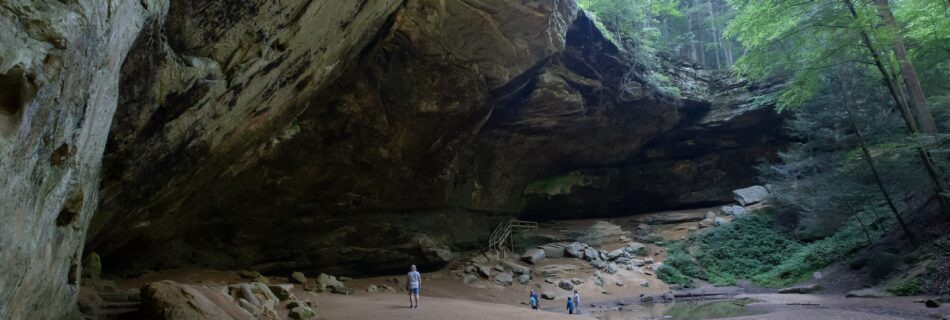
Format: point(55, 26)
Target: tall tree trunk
point(915, 93)
point(715, 34)
point(892, 88)
point(693, 55)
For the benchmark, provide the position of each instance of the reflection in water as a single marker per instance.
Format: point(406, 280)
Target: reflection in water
point(678, 311)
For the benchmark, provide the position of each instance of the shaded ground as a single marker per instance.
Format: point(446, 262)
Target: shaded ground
point(445, 296)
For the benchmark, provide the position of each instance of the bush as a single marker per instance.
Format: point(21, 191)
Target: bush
point(747, 247)
point(674, 277)
point(908, 287)
point(811, 257)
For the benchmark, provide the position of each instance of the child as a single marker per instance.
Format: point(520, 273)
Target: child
point(570, 306)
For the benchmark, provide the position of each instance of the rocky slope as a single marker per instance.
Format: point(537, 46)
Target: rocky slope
point(318, 135)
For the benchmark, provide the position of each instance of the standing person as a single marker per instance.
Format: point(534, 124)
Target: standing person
point(414, 284)
point(533, 301)
point(577, 302)
point(570, 306)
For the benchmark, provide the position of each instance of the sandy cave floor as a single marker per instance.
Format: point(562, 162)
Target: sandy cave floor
point(445, 296)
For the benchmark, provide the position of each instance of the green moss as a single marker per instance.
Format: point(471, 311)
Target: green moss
point(558, 184)
point(908, 287)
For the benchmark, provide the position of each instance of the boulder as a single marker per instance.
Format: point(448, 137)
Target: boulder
point(516, 268)
point(619, 283)
point(325, 281)
point(504, 279)
point(720, 222)
point(636, 248)
point(342, 290)
point(613, 255)
point(483, 271)
point(932, 303)
point(611, 268)
point(253, 276)
point(302, 313)
point(469, 278)
point(591, 254)
point(732, 210)
point(168, 300)
point(555, 250)
point(92, 267)
point(750, 195)
point(282, 291)
point(577, 281)
point(533, 256)
point(524, 279)
point(668, 296)
point(868, 293)
point(637, 262)
point(480, 259)
point(575, 250)
point(645, 284)
point(646, 299)
point(566, 285)
point(298, 277)
point(801, 289)
point(547, 295)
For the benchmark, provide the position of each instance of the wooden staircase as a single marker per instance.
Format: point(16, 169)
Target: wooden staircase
point(501, 239)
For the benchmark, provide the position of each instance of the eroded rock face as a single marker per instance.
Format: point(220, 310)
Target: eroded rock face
point(333, 136)
point(59, 73)
point(276, 140)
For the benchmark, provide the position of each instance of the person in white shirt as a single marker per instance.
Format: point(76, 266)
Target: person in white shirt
point(414, 284)
point(577, 302)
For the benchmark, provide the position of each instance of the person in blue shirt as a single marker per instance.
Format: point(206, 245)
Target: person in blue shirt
point(534, 301)
point(570, 305)
point(413, 285)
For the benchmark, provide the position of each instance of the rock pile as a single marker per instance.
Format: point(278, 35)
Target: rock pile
point(609, 262)
point(505, 271)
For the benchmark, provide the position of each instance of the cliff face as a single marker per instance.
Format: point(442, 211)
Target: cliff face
point(59, 69)
point(347, 136)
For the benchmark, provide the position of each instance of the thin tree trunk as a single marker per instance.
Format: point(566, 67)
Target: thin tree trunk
point(917, 101)
point(906, 115)
point(874, 172)
point(857, 216)
point(693, 56)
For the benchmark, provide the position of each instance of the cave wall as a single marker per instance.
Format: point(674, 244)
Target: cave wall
point(59, 68)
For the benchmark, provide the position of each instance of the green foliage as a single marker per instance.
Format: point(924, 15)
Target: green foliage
point(907, 287)
point(747, 247)
point(674, 277)
point(811, 257)
point(678, 258)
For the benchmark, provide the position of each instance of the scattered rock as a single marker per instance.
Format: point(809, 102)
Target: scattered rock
point(801, 289)
point(720, 222)
point(575, 250)
point(932, 303)
point(325, 281)
point(282, 291)
point(611, 268)
point(750, 195)
point(480, 259)
point(298, 277)
point(254, 276)
point(613, 255)
point(577, 281)
point(470, 270)
point(343, 278)
point(546, 295)
point(566, 285)
point(668, 296)
point(868, 293)
point(499, 268)
point(524, 279)
point(504, 279)
point(387, 288)
point(732, 210)
point(636, 248)
point(342, 290)
point(372, 288)
point(483, 271)
point(469, 278)
point(619, 283)
point(645, 284)
point(533, 256)
point(646, 299)
point(516, 268)
point(549, 280)
point(301, 313)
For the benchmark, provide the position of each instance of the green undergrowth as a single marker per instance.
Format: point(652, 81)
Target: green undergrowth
point(755, 248)
point(908, 287)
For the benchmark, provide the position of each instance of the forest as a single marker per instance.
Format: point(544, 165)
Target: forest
point(867, 85)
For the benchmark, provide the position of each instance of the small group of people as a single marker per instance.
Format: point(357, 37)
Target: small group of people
point(573, 303)
point(414, 284)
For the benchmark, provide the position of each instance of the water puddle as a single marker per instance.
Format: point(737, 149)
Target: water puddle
point(710, 309)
